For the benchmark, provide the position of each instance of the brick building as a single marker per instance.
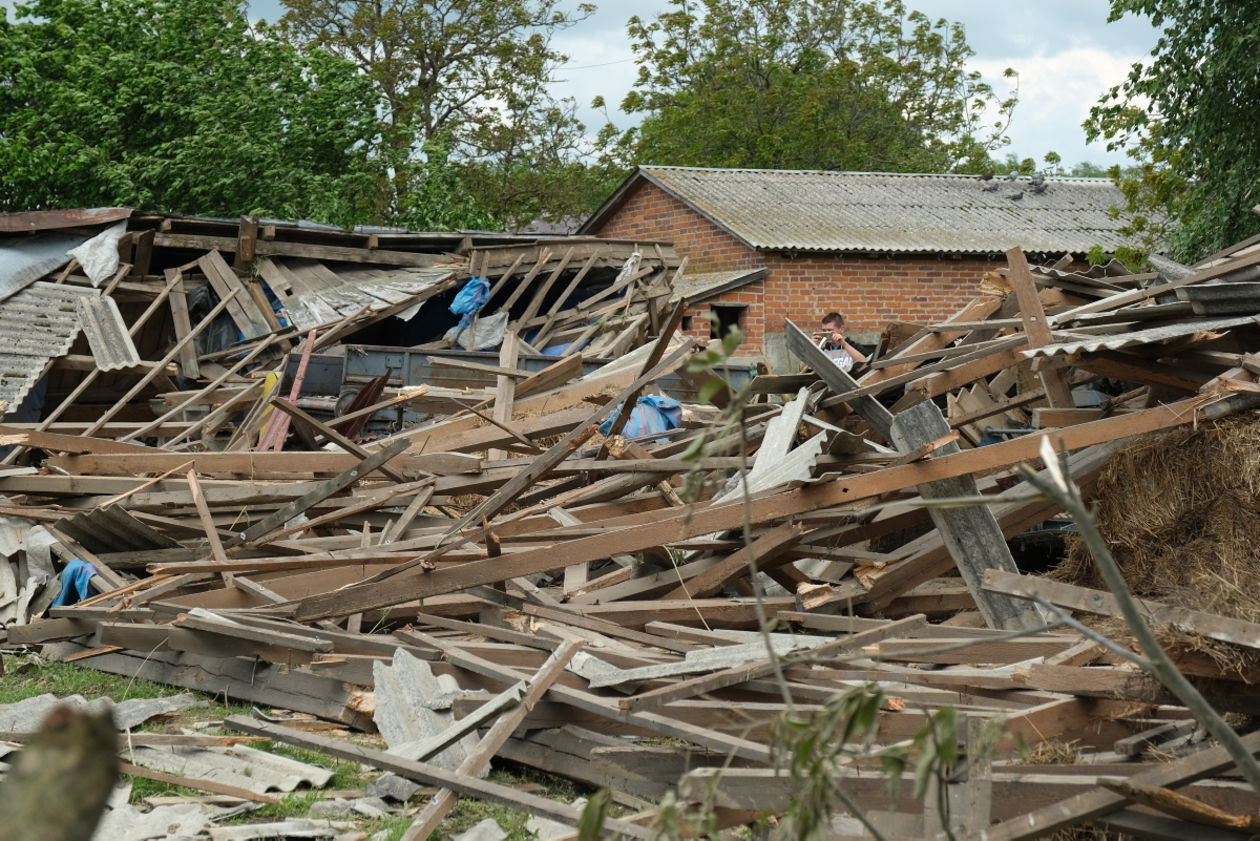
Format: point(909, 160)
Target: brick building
point(764, 245)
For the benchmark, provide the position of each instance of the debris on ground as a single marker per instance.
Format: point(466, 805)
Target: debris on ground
point(383, 483)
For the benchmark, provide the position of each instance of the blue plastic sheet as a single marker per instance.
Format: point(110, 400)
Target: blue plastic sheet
point(471, 299)
point(74, 583)
point(652, 414)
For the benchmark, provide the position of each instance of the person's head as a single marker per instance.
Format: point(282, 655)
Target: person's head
point(833, 323)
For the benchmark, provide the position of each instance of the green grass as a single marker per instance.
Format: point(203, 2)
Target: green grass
point(27, 677)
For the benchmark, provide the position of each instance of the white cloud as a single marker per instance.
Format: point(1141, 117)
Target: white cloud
point(1056, 93)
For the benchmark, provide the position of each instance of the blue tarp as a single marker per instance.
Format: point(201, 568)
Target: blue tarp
point(652, 414)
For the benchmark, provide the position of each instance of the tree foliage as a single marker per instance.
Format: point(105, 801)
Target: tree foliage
point(178, 105)
point(810, 84)
point(1188, 114)
point(474, 72)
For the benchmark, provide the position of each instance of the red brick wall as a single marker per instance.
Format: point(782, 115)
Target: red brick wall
point(650, 213)
point(870, 291)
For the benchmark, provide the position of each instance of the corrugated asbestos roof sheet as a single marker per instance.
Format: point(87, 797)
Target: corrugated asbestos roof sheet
point(1140, 337)
point(37, 325)
point(112, 529)
point(107, 335)
point(697, 286)
point(314, 295)
point(888, 212)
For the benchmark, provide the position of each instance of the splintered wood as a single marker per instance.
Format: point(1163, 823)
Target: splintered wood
point(295, 513)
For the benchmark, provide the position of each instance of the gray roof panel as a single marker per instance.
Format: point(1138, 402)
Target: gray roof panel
point(798, 210)
point(37, 325)
point(107, 335)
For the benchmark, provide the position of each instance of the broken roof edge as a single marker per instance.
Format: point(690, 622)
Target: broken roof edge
point(48, 220)
point(734, 279)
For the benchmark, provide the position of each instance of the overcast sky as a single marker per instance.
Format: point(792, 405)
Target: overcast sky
point(1066, 53)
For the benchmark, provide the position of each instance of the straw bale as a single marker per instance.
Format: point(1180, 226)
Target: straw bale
point(1180, 512)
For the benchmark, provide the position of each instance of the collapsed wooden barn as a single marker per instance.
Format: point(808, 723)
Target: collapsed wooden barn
point(479, 526)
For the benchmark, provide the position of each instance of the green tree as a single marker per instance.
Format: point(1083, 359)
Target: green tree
point(178, 105)
point(473, 71)
point(1188, 115)
point(810, 84)
point(437, 199)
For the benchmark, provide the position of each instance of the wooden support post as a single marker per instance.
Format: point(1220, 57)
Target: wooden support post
point(188, 365)
point(505, 386)
point(246, 240)
point(1058, 392)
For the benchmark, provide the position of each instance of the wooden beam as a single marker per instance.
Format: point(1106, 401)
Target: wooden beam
point(1103, 603)
point(870, 409)
point(657, 530)
point(423, 772)
point(1095, 804)
point(260, 530)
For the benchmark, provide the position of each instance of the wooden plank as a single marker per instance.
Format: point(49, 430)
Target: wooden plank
point(543, 259)
point(870, 409)
point(161, 420)
point(261, 466)
point(556, 308)
point(260, 530)
point(466, 785)
point(1046, 418)
point(935, 385)
point(1133, 368)
point(197, 783)
point(274, 248)
point(1095, 804)
point(978, 308)
point(505, 385)
point(359, 506)
point(656, 530)
point(245, 679)
point(764, 667)
point(1103, 603)
point(333, 436)
point(179, 345)
point(761, 554)
point(207, 523)
point(182, 322)
point(540, 466)
point(1058, 392)
point(535, 302)
point(554, 375)
point(931, 557)
point(229, 287)
point(607, 709)
point(61, 443)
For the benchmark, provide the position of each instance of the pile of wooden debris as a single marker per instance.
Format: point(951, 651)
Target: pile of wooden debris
point(471, 555)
